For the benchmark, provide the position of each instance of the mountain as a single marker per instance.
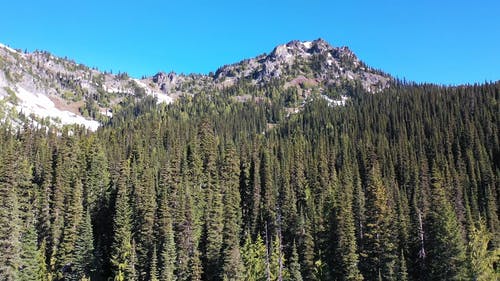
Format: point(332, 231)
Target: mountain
point(46, 88)
point(253, 172)
point(50, 90)
point(297, 62)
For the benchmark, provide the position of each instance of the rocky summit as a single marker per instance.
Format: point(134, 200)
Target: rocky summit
point(317, 61)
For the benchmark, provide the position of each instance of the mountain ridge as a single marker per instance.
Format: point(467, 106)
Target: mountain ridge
point(40, 84)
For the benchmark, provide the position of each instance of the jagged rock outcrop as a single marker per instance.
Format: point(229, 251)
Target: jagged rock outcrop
point(316, 60)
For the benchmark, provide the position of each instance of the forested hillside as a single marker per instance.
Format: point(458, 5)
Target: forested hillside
point(398, 185)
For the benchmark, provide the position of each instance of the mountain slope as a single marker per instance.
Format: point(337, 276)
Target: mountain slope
point(39, 85)
point(42, 88)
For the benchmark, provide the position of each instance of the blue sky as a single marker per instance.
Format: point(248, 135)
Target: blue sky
point(440, 41)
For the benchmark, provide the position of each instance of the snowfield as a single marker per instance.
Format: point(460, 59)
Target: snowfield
point(307, 44)
point(332, 102)
point(161, 97)
point(41, 106)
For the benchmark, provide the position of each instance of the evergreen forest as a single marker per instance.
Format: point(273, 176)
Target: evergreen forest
point(398, 185)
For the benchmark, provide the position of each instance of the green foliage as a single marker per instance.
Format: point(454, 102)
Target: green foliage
point(294, 266)
point(122, 252)
point(446, 248)
point(482, 259)
point(344, 258)
point(31, 267)
point(153, 271)
point(12, 98)
point(84, 260)
point(212, 188)
point(254, 259)
point(10, 222)
point(379, 257)
point(232, 264)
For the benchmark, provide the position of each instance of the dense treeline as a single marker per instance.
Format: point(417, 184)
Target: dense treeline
point(401, 185)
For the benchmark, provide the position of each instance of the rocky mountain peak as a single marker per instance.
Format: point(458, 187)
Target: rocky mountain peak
point(317, 60)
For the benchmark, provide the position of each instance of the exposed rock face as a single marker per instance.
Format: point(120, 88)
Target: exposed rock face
point(41, 85)
point(165, 81)
point(316, 59)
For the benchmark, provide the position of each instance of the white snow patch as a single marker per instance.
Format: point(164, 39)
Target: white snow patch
point(329, 62)
point(42, 106)
point(142, 85)
point(163, 98)
point(160, 96)
point(307, 44)
point(110, 89)
point(332, 102)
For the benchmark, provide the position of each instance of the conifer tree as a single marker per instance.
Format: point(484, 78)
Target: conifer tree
point(84, 260)
point(256, 193)
point(65, 202)
point(379, 240)
point(306, 248)
point(277, 260)
point(446, 249)
point(232, 264)
point(344, 255)
point(288, 210)
point(168, 255)
point(153, 269)
point(482, 259)
point(72, 220)
point(42, 178)
point(195, 267)
point(144, 212)
point(9, 216)
point(121, 249)
point(188, 262)
point(254, 259)
point(96, 180)
point(268, 193)
point(212, 239)
point(167, 258)
point(294, 266)
point(401, 270)
point(31, 267)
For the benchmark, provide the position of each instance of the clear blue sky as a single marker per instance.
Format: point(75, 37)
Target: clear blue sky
point(440, 41)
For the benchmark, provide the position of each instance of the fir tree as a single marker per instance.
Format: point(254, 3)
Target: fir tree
point(84, 260)
point(379, 256)
point(122, 239)
point(72, 221)
point(482, 259)
point(167, 242)
point(9, 217)
point(446, 249)
point(31, 267)
point(344, 255)
point(294, 266)
point(232, 264)
point(153, 270)
point(254, 259)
